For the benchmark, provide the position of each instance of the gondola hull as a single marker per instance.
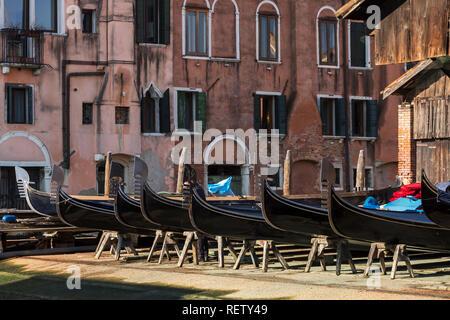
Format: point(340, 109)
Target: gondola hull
point(91, 215)
point(164, 212)
point(414, 230)
point(41, 202)
point(285, 214)
point(438, 212)
point(238, 222)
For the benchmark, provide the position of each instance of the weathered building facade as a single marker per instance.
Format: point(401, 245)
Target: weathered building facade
point(82, 78)
point(416, 32)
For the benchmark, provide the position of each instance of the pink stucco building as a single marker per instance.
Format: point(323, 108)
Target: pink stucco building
point(81, 78)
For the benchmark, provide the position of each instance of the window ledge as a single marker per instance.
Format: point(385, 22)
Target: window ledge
point(363, 138)
point(334, 137)
point(225, 59)
point(154, 45)
point(268, 62)
point(361, 68)
point(154, 134)
point(186, 133)
point(196, 58)
point(323, 66)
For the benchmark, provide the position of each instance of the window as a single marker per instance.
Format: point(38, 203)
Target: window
point(18, 14)
point(368, 178)
point(364, 118)
point(155, 111)
point(334, 116)
point(338, 181)
point(359, 45)
point(196, 32)
point(268, 37)
point(153, 21)
point(270, 112)
point(88, 21)
point(328, 42)
point(149, 116)
point(87, 113)
point(122, 115)
point(20, 104)
point(191, 107)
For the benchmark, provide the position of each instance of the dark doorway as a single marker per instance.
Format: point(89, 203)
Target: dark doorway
point(9, 193)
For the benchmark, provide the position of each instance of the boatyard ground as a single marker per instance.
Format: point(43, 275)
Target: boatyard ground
point(45, 277)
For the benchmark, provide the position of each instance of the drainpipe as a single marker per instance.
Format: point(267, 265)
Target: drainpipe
point(347, 134)
point(66, 110)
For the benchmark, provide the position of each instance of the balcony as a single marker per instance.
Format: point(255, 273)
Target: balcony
point(21, 48)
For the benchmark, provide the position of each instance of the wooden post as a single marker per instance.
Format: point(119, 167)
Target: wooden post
point(181, 171)
point(287, 174)
point(360, 172)
point(107, 172)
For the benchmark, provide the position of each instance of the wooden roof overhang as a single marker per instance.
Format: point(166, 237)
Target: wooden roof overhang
point(408, 81)
point(357, 9)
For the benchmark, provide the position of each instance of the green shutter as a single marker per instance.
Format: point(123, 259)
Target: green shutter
point(372, 118)
point(142, 115)
point(181, 110)
point(164, 113)
point(10, 106)
point(341, 117)
point(200, 109)
point(164, 14)
point(281, 114)
point(29, 106)
point(257, 112)
point(140, 21)
point(324, 115)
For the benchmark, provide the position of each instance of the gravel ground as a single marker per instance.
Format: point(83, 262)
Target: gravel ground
point(135, 278)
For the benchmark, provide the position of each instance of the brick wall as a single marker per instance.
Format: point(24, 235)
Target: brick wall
point(406, 144)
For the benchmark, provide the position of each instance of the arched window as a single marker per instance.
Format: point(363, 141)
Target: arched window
point(155, 111)
point(268, 32)
point(327, 38)
point(225, 29)
point(196, 28)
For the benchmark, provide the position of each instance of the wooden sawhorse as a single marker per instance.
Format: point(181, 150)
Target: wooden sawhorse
point(168, 239)
point(249, 246)
point(380, 250)
point(319, 245)
point(117, 241)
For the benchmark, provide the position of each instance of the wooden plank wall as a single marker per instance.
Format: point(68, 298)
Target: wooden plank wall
point(433, 156)
point(432, 118)
point(415, 31)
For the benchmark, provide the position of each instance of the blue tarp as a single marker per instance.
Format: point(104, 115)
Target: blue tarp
point(221, 189)
point(409, 204)
point(371, 203)
point(444, 197)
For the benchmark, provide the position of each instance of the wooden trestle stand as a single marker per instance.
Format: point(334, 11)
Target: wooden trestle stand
point(381, 250)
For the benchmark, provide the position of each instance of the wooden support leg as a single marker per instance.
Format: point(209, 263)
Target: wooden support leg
point(277, 254)
point(2, 242)
point(163, 250)
point(231, 250)
point(187, 242)
point(395, 261)
point(265, 256)
point(171, 240)
point(312, 254)
point(400, 254)
point(241, 256)
point(383, 265)
point(100, 242)
point(195, 251)
point(343, 253)
point(321, 256)
point(220, 251)
point(373, 248)
point(119, 246)
point(253, 256)
point(158, 236)
point(102, 245)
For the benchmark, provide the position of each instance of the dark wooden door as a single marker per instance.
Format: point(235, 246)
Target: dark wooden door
point(9, 194)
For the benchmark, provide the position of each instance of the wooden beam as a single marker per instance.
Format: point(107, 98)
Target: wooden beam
point(287, 174)
point(181, 171)
point(360, 172)
point(107, 172)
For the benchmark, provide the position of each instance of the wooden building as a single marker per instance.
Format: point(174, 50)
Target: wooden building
point(415, 32)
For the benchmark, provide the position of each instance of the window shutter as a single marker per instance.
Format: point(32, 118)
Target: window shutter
point(10, 106)
point(257, 112)
point(372, 118)
point(140, 21)
point(358, 44)
point(143, 116)
point(281, 114)
point(164, 14)
point(341, 117)
point(324, 115)
point(181, 110)
point(200, 112)
point(164, 113)
point(30, 106)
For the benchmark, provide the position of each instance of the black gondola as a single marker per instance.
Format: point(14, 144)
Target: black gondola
point(294, 216)
point(415, 230)
point(437, 211)
point(91, 215)
point(237, 221)
point(41, 202)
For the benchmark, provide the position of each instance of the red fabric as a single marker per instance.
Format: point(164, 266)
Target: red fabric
point(408, 190)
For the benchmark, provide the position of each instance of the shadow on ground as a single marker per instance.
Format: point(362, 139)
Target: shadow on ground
point(16, 283)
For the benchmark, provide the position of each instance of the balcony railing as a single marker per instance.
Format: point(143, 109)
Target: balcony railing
point(23, 47)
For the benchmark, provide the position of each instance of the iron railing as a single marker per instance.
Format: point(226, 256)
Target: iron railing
point(21, 46)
